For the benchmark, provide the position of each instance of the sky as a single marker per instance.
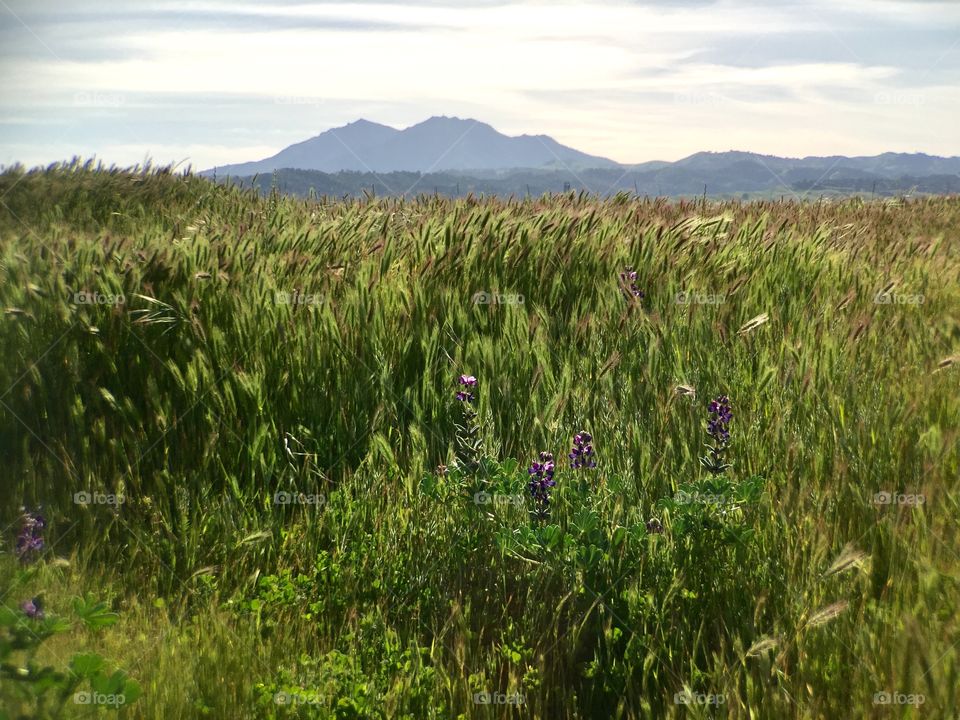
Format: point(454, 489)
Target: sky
point(210, 83)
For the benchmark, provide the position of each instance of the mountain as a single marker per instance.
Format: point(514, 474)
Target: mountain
point(887, 165)
point(437, 144)
point(317, 153)
point(470, 156)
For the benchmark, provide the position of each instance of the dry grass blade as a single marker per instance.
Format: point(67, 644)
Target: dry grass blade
point(762, 646)
point(753, 324)
point(947, 362)
point(849, 298)
point(825, 615)
point(686, 390)
point(851, 557)
point(611, 363)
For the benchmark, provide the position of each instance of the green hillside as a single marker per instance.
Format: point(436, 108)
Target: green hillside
point(293, 515)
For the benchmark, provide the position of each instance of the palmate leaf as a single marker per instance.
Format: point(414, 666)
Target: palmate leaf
point(118, 685)
point(131, 691)
point(86, 665)
point(94, 614)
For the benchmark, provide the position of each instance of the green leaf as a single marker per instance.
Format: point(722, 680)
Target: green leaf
point(131, 691)
point(8, 616)
point(109, 685)
point(86, 665)
point(552, 536)
point(94, 615)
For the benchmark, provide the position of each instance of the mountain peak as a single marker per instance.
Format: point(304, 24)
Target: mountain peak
point(446, 118)
point(439, 143)
point(449, 121)
point(362, 124)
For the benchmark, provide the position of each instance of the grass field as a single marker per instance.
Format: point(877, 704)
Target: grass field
point(238, 419)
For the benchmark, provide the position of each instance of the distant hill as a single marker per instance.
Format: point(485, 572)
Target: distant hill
point(887, 165)
point(437, 144)
point(470, 156)
point(739, 179)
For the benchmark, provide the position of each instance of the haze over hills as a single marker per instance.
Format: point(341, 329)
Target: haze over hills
point(463, 155)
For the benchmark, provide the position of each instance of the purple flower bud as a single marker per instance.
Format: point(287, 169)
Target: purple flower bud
point(33, 609)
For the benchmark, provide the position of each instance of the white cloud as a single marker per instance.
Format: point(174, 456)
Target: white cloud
point(523, 67)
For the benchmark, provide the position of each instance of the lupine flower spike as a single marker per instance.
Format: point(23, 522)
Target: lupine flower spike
point(30, 541)
point(467, 382)
point(469, 444)
point(581, 456)
point(628, 282)
point(541, 480)
point(718, 431)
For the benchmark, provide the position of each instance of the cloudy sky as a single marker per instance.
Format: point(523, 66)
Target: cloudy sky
point(208, 83)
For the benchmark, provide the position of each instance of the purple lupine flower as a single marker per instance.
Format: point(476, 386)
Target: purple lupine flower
point(30, 538)
point(628, 281)
point(718, 425)
point(541, 480)
point(33, 608)
point(466, 382)
point(581, 456)
point(469, 443)
point(718, 430)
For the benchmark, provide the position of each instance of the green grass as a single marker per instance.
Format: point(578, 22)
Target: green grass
point(201, 396)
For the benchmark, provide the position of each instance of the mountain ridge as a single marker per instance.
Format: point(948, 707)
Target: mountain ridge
point(474, 149)
point(437, 143)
